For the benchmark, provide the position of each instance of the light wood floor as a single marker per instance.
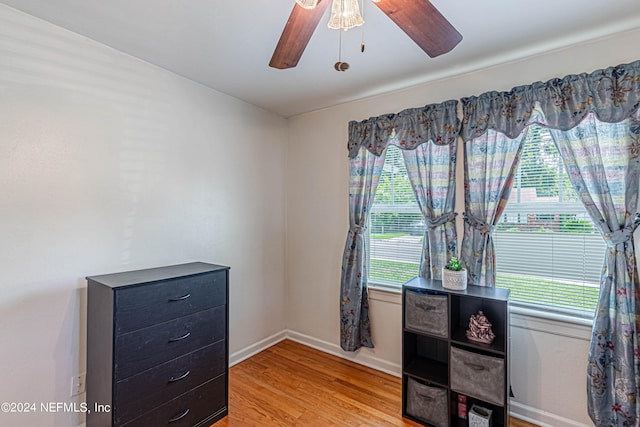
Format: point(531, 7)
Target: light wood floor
point(290, 384)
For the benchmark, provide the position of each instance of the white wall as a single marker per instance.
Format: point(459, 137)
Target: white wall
point(110, 164)
point(548, 359)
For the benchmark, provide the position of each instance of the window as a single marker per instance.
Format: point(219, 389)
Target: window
point(547, 250)
point(396, 226)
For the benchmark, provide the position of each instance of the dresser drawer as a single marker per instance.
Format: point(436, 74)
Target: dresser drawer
point(145, 348)
point(155, 386)
point(427, 313)
point(478, 376)
point(148, 304)
point(188, 409)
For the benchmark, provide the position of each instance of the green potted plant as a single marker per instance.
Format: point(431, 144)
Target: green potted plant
point(454, 275)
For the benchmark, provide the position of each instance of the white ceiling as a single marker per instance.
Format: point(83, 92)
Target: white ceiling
point(227, 44)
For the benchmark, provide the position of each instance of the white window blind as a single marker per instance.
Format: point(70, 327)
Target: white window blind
point(547, 250)
point(396, 226)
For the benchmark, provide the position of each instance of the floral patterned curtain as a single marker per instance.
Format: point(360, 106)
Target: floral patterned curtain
point(491, 160)
point(603, 164)
point(432, 172)
point(367, 145)
point(364, 174)
point(408, 129)
point(611, 95)
point(594, 121)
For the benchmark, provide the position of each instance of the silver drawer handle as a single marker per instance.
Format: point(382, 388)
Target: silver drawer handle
point(474, 366)
point(182, 298)
point(178, 417)
point(174, 379)
point(180, 338)
point(427, 307)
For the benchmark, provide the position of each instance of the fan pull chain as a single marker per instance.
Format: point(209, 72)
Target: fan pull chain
point(341, 66)
point(340, 45)
point(362, 42)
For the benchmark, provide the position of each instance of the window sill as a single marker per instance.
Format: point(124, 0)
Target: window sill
point(549, 315)
point(521, 317)
point(550, 323)
point(386, 293)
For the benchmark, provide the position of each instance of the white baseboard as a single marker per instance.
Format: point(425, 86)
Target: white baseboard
point(542, 418)
point(256, 348)
point(358, 357)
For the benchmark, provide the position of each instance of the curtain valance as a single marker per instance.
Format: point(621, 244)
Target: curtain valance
point(612, 94)
point(407, 129)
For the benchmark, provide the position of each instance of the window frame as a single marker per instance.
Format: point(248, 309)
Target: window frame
point(530, 309)
point(400, 208)
point(535, 134)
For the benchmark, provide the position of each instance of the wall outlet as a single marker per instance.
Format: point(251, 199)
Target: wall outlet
point(78, 383)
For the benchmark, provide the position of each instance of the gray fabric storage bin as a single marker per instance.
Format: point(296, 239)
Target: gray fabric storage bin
point(427, 313)
point(478, 376)
point(427, 403)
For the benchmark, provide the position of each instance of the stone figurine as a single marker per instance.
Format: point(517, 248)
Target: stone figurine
point(480, 329)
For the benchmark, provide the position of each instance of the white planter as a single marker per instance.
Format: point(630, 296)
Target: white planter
point(454, 280)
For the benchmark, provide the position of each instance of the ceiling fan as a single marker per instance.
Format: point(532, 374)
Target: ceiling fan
point(419, 19)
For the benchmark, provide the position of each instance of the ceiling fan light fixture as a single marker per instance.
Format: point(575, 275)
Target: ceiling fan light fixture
point(307, 4)
point(345, 14)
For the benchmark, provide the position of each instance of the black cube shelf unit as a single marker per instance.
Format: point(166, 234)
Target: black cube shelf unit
point(440, 366)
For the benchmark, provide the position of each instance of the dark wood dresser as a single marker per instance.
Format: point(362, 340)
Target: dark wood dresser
point(157, 346)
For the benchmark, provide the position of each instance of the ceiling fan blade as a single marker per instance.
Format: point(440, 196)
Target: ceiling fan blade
point(423, 23)
point(296, 34)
